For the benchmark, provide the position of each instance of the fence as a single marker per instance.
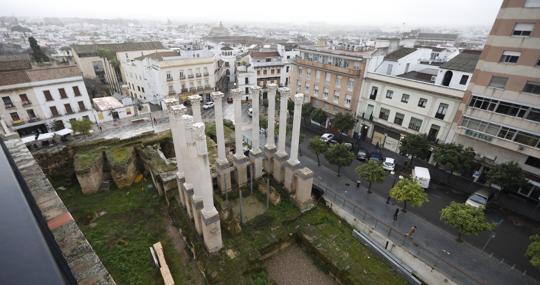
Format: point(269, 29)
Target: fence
point(453, 271)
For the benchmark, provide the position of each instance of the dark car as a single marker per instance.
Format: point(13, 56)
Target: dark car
point(362, 154)
point(375, 155)
point(229, 99)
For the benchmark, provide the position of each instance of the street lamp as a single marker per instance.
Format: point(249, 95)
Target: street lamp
point(492, 236)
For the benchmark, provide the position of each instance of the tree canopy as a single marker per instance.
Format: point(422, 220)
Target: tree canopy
point(37, 53)
point(415, 146)
point(509, 176)
point(319, 116)
point(465, 219)
point(82, 126)
point(307, 109)
point(343, 122)
point(454, 157)
point(371, 172)
point(409, 191)
point(109, 55)
point(339, 155)
point(533, 251)
point(318, 147)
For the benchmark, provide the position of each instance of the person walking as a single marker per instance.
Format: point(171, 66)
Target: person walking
point(411, 232)
point(100, 128)
point(396, 214)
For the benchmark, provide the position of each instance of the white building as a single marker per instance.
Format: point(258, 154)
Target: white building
point(34, 99)
point(154, 77)
point(390, 107)
point(109, 108)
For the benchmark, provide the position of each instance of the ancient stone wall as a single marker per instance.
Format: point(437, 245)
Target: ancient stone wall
point(122, 164)
point(89, 171)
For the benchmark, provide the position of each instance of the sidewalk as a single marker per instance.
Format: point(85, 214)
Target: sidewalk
point(428, 240)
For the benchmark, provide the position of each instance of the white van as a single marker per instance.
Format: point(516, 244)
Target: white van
point(421, 174)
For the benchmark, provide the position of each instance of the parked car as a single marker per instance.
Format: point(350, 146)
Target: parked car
point(208, 105)
point(229, 100)
point(250, 112)
point(479, 199)
point(349, 145)
point(362, 155)
point(375, 155)
point(389, 164)
point(327, 137)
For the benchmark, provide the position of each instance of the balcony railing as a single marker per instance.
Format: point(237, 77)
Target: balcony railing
point(34, 119)
point(171, 92)
point(439, 116)
point(55, 115)
point(200, 88)
point(182, 77)
point(190, 76)
point(192, 89)
point(70, 112)
point(9, 105)
point(169, 79)
point(26, 103)
point(206, 74)
point(197, 75)
point(184, 90)
point(17, 123)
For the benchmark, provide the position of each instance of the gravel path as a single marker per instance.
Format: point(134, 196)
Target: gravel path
point(293, 266)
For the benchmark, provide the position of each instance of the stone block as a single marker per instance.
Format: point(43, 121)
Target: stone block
point(224, 171)
point(241, 166)
point(288, 181)
point(304, 184)
point(278, 167)
point(269, 159)
point(211, 230)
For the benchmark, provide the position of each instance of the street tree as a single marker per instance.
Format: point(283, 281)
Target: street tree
point(37, 53)
point(454, 157)
point(307, 109)
point(533, 251)
point(81, 126)
point(344, 122)
point(371, 172)
point(415, 146)
point(465, 219)
point(339, 155)
point(318, 147)
point(509, 176)
point(408, 191)
point(319, 116)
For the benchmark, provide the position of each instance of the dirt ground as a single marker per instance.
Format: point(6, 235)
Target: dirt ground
point(252, 207)
point(293, 266)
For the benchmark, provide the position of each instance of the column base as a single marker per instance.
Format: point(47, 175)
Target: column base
point(211, 228)
point(241, 170)
point(188, 197)
point(180, 180)
point(278, 166)
point(304, 184)
point(288, 181)
point(224, 170)
point(269, 159)
point(257, 159)
point(197, 205)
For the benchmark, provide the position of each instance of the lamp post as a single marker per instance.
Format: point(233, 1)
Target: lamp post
point(491, 236)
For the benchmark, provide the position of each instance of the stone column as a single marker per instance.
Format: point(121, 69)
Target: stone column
point(193, 199)
point(175, 114)
point(196, 107)
point(256, 154)
point(270, 147)
point(223, 166)
point(240, 161)
point(210, 224)
point(281, 154)
point(293, 163)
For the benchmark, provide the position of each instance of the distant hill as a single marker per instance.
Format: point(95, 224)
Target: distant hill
point(21, 29)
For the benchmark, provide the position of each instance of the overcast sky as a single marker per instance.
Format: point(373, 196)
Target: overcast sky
point(362, 12)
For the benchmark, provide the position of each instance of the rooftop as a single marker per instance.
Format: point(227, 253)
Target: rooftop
point(357, 54)
point(264, 54)
point(14, 62)
point(107, 103)
point(402, 52)
point(417, 75)
point(38, 74)
point(158, 55)
point(437, 36)
point(92, 49)
point(465, 61)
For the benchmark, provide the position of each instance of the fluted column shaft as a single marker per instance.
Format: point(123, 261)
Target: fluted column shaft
point(270, 132)
point(220, 133)
point(295, 135)
point(283, 96)
point(237, 104)
point(255, 93)
point(196, 107)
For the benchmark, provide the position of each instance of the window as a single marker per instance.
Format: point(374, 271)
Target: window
point(316, 91)
point(31, 114)
point(68, 108)
point(76, 91)
point(350, 84)
point(415, 124)
point(498, 82)
point(405, 98)
point(373, 94)
point(48, 96)
point(384, 114)
point(278, 71)
point(398, 118)
point(81, 106)
point(533, 115)
point(308, 73)
point(348, 100)
point(62, 92)
point(389, 94)
point(142, 89)
point(533, 161)
point(259, 72)
point(506, 133)
point(325, 93)
point(336, 97)
point(523, 30)
point(422, 102)
point(464, 79)
point(328, 75)
point(7, 102)
point(532, 87)
point(538, 62)
point(441, 111)
point(272, 71)
point(338, 81)
point(265, 71)
point(246, 80)
point(169, 77)
point(287, 69)
point(510, 56)
point(307, 87)
point(317, 75)
point(526, 138)
point(54, 111)
point(268, 59)
point(14, 116)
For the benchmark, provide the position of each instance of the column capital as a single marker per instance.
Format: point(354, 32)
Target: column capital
point(216, 95)
point(178, 110)
point(284, 92)
point(299, 99)
point(200, 138)
point(271, 86)
point(195, 99)
point(169, 102)
point(236, 92)
point(255, 88)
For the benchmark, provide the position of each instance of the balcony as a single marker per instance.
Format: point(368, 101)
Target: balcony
point(169, 79)
point(198, 75)
point(206, 74)
point(200, 88)
point(190, 76)
point(70, 112)
point(54, 115)
point(184, 90)
point(34, 119)
point(9, 105)
point(171, 92)
point(17, 123)
point(192, 89)
point(26, 103)
point(329, 67)
point(182, 77)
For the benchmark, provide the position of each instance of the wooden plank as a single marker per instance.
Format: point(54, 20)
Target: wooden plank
point(165, 272)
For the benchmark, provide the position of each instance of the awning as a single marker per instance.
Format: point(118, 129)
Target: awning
point(45, 136)
point(64, 132)
point(28, 139)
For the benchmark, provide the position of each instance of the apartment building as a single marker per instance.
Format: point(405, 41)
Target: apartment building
point(156, 76)
point(34, 98)
point(329, 78)
point(420, 101)
point(91, 61)
point(500, 115)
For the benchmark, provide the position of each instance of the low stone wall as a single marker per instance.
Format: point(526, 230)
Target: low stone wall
point(89, 171)
point(122, 162)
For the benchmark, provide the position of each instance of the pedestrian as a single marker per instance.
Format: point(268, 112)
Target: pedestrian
point(155, 121)
point(411, 232)
point(396, 214)
point(357, 184)
point(100, 128)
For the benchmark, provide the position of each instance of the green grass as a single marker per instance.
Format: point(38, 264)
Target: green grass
point(134, 220)
point(119, 155)
point(85, 159)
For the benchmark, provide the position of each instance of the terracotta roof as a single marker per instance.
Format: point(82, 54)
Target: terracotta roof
point(465, 61)
point(158, 55)
point(38, 74)
point(264, 54)
point(91, 50)
point(402, 52)
point(15, 62)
